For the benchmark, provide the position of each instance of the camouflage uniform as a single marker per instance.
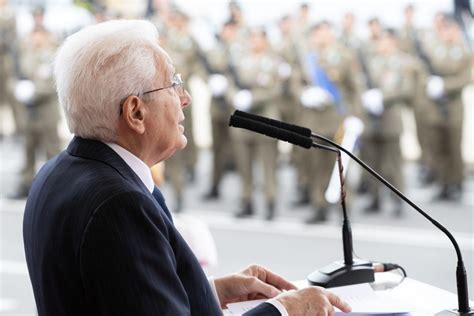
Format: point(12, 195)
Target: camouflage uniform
point(42, 112)
point(410, 43)
point(394, 76)
point(367, 53)
point(259, 74)
point(217, 61)
point(8, 65)
point(450, 62)
point(288, 103)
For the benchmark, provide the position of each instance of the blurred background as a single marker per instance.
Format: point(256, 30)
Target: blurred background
point(391, 81)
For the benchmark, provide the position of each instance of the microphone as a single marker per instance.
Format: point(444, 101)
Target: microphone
point(340, 273)
point(461, 275)
point(271, 131)
point(303, 131)
point(275, 132)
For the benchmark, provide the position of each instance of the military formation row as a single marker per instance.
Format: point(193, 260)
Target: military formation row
point(313, 77)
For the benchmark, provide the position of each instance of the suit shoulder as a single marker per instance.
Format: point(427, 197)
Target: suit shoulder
point(126, 210)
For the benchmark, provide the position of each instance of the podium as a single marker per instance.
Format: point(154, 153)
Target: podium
point(421, 298)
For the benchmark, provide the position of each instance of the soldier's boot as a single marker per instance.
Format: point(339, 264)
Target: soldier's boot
point(303, 199)
point(373, 207)
point(455, 191)
point(213, 194)
point(319, 216)
point(229, 166)
point(426, 176)
point(363, 187)
point(21, 193)
point(179, 205)
point(191, 174)
point(270, 211)
point(246, 211)
point(443, 193)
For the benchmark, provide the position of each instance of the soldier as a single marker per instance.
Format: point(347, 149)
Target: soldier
point(37, 92)
point(177, 41)
point(367, 53)
point(348, 36)
point(449, 58)
point(392, 73)
point(217, 66)
point(159, 14)
point(9, 64)
point(410, 42)
point(288, 104)
point(287, 50)
point(300, 35)
point(101, 14)
point(260, 87)
point(303, 21)
point(328, 91)
point(236, 14)
point(183, 48)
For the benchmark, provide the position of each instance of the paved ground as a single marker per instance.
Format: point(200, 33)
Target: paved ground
point(285, 245)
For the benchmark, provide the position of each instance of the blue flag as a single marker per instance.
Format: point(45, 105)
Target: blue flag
point(320, 79)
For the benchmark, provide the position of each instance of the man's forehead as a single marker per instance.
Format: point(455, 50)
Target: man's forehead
point(169, 68)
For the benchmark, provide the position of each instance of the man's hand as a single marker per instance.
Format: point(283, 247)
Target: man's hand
point(252, 283)
point(312, 301)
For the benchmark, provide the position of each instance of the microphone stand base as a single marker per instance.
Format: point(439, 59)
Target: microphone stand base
point(340, 274)
point(453, 312)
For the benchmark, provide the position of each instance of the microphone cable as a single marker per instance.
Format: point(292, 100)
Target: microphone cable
point(387, 267)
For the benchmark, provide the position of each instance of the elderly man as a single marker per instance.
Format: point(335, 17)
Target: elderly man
point(99, 239)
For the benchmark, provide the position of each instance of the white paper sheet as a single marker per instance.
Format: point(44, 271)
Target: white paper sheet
point(362, 298)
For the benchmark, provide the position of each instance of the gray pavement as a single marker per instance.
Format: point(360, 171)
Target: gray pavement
point(285, 245)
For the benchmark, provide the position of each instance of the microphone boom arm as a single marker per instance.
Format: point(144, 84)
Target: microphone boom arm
point(461, 276)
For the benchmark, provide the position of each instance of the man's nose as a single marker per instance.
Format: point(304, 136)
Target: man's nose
point(186, 99)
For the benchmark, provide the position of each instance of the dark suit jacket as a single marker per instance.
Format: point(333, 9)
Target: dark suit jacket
point(98, 243)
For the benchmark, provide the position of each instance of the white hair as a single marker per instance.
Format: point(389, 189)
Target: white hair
point(99, 66)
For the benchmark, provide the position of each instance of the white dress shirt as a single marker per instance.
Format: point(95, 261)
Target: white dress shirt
point(136, 164)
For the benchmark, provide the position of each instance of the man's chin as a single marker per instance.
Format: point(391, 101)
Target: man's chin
point(183, 142)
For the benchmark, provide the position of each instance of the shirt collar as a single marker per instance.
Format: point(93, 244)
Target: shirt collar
point(136, 164)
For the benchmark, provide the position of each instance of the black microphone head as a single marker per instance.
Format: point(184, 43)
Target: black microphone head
point(303, 131)
point(271, 131)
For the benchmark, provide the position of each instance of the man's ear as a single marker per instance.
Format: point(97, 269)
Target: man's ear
point(133, 113)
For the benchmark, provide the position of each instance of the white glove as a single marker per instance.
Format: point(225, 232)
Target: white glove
point(435, 87)
point(314, 97)
point(353, 125)
point(24, 91)
point(218, 85)
point(372, 100)
point(284, 71)
point(243, 100)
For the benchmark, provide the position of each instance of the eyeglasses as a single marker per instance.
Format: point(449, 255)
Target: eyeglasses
point(176, 83)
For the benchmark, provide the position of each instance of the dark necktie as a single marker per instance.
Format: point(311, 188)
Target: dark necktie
point(161, 200)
